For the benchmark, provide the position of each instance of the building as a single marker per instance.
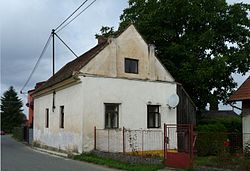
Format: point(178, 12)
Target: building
point(243, 94)
point(30, 104)
point(118, 83)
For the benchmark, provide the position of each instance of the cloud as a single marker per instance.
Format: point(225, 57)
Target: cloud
point(26, 25)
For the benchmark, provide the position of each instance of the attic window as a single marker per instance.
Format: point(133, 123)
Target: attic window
point(131, 65)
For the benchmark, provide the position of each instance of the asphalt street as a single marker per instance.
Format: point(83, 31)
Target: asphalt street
point(16, 156)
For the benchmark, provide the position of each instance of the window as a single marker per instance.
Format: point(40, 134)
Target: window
point(154, 118)
point(131, 65)
point(61, 116)
point(111, 115)
point(47, 118)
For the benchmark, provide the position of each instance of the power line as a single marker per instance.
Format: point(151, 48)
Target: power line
point(76, 16)
point(66, 45)
point(71, 14)
point(37, 62)
point(60, 27)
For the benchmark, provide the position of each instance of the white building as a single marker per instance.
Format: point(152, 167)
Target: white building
point(243, 94)
point(118, 83)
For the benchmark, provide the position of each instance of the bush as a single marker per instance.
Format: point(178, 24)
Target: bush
point(210, 140)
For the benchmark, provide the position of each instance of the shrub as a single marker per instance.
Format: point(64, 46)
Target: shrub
point(210, 140)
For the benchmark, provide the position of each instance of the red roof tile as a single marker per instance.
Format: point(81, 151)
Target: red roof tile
point(67, 70)
point(243, 92)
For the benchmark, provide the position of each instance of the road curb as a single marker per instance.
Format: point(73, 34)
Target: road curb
point(51, 152)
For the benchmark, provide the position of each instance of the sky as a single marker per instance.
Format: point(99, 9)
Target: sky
point(26, 25)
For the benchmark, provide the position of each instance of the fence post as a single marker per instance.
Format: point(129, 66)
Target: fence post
point(123, 140)
point(191, 140)
point(95, 138)
point(164, 142)
point(142, 142)
point(108, 140)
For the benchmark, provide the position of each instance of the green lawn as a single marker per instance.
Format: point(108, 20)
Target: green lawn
point(225, 161)
point(117, 164)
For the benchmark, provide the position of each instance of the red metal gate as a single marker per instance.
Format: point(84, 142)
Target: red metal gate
point(178, 145)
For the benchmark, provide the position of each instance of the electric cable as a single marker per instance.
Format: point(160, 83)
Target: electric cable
point(66, 45)
point(76, 16)
point(37, 62)
point(71, 14)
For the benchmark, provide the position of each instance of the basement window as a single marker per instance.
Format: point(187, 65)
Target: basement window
point(131, 65)
point(61, 116)
point(111, 115)
point(154, 118)
point(46, 117)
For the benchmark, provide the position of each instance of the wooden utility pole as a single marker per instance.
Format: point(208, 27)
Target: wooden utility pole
point(53, 50)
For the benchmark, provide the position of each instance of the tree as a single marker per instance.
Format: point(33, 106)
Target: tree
point(11, 110)
point(201, 42)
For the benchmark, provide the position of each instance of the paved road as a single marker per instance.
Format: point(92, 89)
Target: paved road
point(16, 156)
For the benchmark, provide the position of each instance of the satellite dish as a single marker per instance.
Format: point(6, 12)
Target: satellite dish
point(173, 101)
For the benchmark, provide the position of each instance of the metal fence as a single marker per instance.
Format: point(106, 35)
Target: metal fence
point(151, 142)
point(136, 142)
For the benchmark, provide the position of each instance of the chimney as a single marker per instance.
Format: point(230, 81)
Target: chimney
point(151, 49)
point(101, 39)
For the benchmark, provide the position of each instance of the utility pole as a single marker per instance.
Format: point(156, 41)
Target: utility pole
point(53, 50)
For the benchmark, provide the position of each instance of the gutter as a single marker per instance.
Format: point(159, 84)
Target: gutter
point(74, 79)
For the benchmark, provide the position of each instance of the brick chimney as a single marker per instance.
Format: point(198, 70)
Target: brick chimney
point(101, 39)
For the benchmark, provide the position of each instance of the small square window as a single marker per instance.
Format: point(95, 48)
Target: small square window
point(61, 116)
point(47, 118)
point(111, 115)
point(154, 117)
point(131, 65)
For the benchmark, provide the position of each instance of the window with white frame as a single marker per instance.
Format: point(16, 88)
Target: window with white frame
point(111, 115)
point(154, 117)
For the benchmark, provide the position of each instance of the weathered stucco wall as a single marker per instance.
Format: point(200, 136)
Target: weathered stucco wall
point(69, 137)
point(84, 102)
point(133, 97)
point(110, 61)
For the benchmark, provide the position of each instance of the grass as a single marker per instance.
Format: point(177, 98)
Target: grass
point(89, 157)
point(225, 161)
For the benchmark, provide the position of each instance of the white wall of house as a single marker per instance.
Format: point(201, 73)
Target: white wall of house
point(133, 97)
point(103, 80)
point(246, 130)
point(69, 137)
point(245, 123)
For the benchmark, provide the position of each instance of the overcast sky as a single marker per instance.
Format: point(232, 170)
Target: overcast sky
point(26, 25)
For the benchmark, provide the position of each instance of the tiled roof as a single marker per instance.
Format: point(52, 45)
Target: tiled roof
point(243, 92)
point(67, 70)
point(219, 113)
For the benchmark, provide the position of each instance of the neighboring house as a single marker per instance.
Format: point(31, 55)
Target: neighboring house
point(219, 113)
point(30, 104)
point(118, 83)
point(243, 94)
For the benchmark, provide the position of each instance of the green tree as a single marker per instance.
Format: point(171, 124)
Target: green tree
point(201, 42)
point(11, 110)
